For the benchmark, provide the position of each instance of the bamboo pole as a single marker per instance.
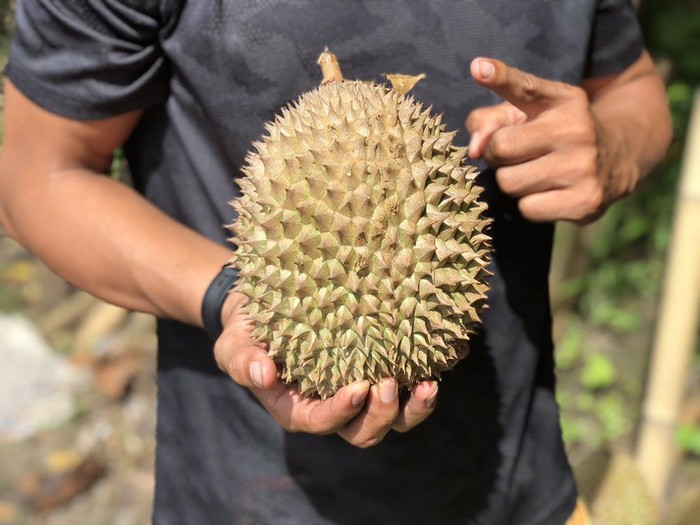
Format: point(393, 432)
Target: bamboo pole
point(678, 325)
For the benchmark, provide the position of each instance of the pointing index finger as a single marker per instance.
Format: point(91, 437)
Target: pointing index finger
point(525, 91)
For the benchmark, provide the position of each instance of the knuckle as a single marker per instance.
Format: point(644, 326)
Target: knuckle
point(582, 131)
point(595, 200)
point(529, 87)
point(506, 181)
point(575, 93)
point(312, 425)
point(234, 371)
point(590, 206)
point(301, 424)
point(309, 423)
point(369, 443)
point(587, 164)
point(413, 416)
point(532, 211)
point(401, 429)
point(387, 416)
point(526, 210)
point(474, 119)
point(500, 145)
point(232, 366)
point(290, 427)
point(317, 422)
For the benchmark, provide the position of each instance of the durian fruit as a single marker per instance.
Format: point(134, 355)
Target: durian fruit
point(361, 241)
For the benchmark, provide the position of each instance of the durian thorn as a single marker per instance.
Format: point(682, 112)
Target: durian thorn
point(330, 68)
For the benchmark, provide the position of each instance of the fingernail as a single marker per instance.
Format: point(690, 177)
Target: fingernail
point(256, 373)
point(387, 391)
point(486, 69)
point(359, 396)
point(473, 143)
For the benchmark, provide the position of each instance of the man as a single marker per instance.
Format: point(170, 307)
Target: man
point(186, 87)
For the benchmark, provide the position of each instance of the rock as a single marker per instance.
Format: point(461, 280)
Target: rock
point(8, 512)
point(101, 320)
point(71, 475)
point(37, 387)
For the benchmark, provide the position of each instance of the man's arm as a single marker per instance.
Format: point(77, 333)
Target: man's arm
point(91, 230)
point(633, 109)
point(107, 239)
point(567, 152)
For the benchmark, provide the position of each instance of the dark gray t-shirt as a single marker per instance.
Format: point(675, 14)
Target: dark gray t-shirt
point(209, 74)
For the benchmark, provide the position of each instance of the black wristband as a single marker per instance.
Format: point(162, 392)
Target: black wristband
point(214, 300)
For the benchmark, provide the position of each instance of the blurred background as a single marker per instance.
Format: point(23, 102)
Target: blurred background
point(77, 390)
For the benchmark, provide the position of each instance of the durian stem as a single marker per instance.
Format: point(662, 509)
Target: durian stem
point(329, 67)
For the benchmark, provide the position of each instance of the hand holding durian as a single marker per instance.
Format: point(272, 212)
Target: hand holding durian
point(361, 242)
point(362, 251)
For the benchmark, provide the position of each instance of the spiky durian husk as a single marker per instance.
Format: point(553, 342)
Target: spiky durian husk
point(361, 241)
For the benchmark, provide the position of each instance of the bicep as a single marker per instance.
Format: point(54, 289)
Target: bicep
point(38, 139)
point(641, 70)
point(634, 103)
point(39, 146)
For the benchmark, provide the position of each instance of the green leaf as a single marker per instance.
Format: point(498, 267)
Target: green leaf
point(688, 438)
point(585, 402)
point(598, 372)
point(612, 415)
point(573, 430)
point(569, 349)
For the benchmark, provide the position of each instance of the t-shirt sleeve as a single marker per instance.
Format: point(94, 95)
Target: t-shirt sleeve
point(89, 59)
point(616, 38)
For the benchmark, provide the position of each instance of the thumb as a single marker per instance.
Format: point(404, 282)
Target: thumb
point(249, 365)
point(242, 358)
point(529, 93)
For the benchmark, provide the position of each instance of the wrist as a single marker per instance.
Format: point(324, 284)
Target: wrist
point(214, 299)
point(618, 166)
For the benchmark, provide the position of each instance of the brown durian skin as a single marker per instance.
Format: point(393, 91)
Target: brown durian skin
point(361, 242)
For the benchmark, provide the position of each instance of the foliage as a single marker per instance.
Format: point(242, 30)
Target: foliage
point(598, 372)
point(569, 348)
point(688, 439)
point(613, 415)
point(7, 8)
point(594, 419)
point(628, 253)
point(116, 170)
point(621, 285)
point(672, 30)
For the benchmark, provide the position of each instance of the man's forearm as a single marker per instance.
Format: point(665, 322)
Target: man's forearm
point(636, 128)
point(105, 238)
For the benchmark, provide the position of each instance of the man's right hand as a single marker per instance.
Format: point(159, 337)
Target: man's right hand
point(360, 413)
